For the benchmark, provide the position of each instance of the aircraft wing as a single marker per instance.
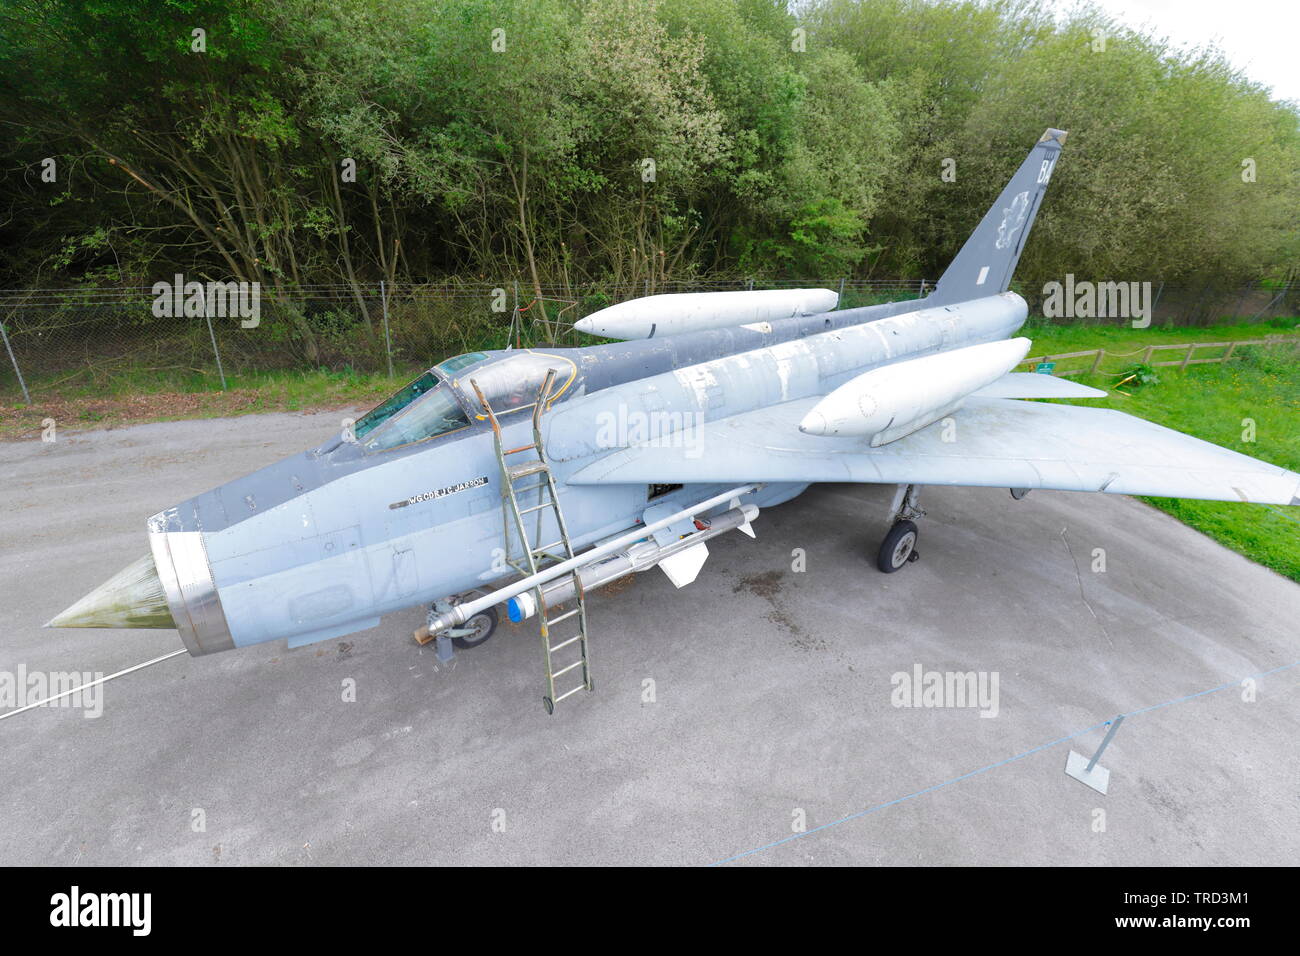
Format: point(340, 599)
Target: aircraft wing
point(996, 442)
point(1034, 385)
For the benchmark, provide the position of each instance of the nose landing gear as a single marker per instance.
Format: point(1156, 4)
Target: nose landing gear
point(899, 545)
point(476, 630)
point(471, 634)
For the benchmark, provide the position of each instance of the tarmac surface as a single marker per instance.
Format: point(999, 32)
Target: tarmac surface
point(726, 716)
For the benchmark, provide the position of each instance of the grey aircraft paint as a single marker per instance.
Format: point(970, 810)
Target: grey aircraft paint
point(342, 549)
point(598, 367)
point(989, 256)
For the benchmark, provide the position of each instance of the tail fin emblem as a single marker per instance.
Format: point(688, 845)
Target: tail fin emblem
point(1018, 209)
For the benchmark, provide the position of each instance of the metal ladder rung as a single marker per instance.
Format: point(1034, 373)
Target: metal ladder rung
point(565, 670)
point(527, 468)
point(527, 488)
point(547, 547)
point(570, 693)
point(563, 617)
point(576, 637)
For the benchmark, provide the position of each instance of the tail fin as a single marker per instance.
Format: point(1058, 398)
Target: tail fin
point(987, 260)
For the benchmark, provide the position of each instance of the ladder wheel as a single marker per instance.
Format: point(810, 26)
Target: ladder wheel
point(484, 624)
point(550, 707)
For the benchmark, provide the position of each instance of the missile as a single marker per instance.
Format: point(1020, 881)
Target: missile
point(463, 612)
point(674, 313)
point(639, 557)
point(892, 401)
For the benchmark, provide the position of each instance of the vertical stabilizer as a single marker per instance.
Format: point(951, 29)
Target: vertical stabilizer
point(987, 260)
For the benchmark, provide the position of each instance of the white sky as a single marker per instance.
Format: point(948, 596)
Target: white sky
point(1258, 36)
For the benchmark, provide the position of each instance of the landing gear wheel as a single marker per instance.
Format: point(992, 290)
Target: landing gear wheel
point(484, 624)
point(898, 548)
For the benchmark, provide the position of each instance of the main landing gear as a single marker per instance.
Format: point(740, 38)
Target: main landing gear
point(899, 546)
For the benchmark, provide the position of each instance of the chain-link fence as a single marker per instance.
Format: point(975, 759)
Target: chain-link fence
point(1197, 304)
point(110, 336)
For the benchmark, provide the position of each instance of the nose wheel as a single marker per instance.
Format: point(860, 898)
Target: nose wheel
point(471, 634)
point(476, 630)
point(899, 546)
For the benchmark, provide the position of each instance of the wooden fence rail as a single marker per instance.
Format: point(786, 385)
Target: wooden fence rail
point(1188, 349)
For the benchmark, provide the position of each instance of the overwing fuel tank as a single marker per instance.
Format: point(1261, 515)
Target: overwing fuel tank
point(892, 401)
point(675, 313)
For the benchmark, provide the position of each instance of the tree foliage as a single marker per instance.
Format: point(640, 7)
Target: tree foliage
point(579, 141)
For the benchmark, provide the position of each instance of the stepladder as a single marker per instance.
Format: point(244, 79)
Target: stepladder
point(532, 513)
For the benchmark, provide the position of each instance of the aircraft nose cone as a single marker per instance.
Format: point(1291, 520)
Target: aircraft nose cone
point(133, 597)
point(814, 423)
point(584, 325)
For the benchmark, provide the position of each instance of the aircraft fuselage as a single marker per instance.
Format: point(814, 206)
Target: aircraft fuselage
point(323, 543)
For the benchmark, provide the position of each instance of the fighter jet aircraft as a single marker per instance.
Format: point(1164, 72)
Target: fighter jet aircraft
point(532, 477)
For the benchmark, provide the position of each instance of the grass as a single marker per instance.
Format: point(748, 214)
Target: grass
point(143, 395)
point(1216, 403)
point(1053, 339)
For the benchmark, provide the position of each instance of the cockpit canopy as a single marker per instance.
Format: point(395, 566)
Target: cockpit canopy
point(513, 381)
point(422, 409)
point(435, 402)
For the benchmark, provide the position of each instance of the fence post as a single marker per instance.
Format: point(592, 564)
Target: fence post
point(1110, 734)
point(220, 370)
point(1096, 363)
point(388, 342)
point(1188, 357)
point(207, 316)
point(17, 371)
point(840, 305)
point(517, 317)
point(1277, 298)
